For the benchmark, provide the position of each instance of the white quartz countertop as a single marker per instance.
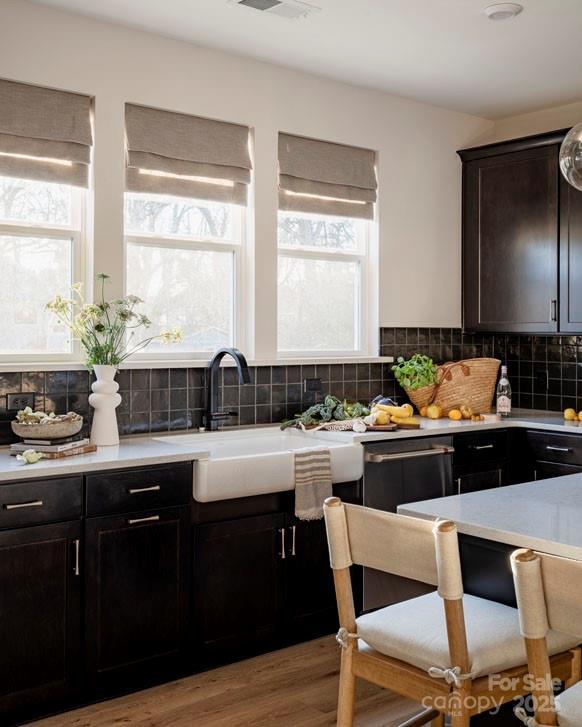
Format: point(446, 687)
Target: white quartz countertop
point(544, 515)
point(143, 451)
point(138, 452)
point(549, 421)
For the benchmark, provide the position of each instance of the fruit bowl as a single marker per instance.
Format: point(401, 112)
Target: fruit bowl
point(38, 425)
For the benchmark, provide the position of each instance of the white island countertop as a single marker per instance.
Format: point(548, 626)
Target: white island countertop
point(544, 515)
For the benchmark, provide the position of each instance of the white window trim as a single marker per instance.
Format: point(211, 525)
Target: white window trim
point(366, 295)
point(184, 242)
point(76, 231)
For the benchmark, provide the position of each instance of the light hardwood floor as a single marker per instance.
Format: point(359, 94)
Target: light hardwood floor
point(295, 687)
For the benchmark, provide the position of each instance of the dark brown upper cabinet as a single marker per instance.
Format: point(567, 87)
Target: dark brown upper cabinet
point(570, 258)
point(522, 239)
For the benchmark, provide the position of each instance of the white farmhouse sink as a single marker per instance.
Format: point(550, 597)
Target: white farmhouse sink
point(256, 462)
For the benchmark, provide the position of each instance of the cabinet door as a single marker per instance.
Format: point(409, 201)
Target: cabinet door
point(238, 589)
point(310, 594)
point(570, 258)
point(484, 479)
point(510, 242)
point(40, 618)
point(137, 595)
point(545, 470)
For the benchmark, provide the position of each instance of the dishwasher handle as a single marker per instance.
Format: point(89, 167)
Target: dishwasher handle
point(379, 458)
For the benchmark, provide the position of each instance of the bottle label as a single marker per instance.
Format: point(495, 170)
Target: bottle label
point(503, 405)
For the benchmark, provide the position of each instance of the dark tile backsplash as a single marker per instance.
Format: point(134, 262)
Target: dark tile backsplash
point(545, 373)
point(157, 400)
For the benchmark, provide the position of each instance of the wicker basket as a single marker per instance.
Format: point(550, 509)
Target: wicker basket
point(470, 382)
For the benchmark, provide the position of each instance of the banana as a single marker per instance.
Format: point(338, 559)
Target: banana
point(404, 420)
point(398, 411)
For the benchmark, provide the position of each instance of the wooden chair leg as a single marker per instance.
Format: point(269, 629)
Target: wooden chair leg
point(576, 668)
point(424, 717)
point(347, 690)
point(461, 716)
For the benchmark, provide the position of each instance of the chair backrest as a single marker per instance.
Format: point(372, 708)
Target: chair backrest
point(549, 593)
point(397, 544)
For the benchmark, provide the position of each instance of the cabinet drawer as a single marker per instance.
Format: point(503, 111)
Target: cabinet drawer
point(139, 489)
point(474, 448)
point(40, 501)
point(564, 448)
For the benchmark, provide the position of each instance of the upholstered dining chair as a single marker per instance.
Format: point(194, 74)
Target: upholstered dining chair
point(438, 649)
point(549, 596)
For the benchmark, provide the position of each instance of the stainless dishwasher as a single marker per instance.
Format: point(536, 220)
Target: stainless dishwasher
point(395, 473)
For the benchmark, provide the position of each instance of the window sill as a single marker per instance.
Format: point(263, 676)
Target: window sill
point(193, 363)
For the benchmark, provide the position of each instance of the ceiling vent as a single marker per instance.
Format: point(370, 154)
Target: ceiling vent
point(291, 9)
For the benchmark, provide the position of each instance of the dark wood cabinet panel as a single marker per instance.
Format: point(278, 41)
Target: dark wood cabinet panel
point(137, 590)
point(510, 241)
point(310, 595)
point(40, 618)
point(238, 585)
point(546, 470)
point(570, 258)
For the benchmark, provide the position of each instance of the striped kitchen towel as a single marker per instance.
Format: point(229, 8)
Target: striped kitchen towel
point(312, 482)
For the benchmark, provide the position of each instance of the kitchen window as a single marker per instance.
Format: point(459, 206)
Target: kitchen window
point(184, 258)
point(44, 172)
point(187, 181)
point(41, 252)
point(327, 193)
point(322, 284)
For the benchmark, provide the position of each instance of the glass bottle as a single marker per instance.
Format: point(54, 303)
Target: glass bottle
point(504, 394)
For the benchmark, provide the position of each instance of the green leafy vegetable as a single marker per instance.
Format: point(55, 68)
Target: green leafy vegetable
point(415, 373)
point(331, 408)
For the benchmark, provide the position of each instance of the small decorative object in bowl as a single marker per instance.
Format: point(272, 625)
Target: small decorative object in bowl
point(39, 425)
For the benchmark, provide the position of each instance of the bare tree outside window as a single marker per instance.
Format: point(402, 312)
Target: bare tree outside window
point(39, 241)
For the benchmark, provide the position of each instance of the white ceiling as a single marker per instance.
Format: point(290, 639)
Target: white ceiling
point(444, 52)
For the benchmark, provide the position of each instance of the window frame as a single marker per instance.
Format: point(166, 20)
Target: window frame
point(365, 290)
point(184, 242)
point(77, 233)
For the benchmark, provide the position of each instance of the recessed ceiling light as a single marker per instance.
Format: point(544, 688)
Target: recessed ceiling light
point(503, 11)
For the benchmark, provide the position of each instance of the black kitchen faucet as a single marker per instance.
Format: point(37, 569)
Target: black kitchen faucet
point(213, 415)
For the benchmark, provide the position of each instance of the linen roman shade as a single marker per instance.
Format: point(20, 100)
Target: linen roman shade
point(187, 156)
point(44, 134)
point(326, 178)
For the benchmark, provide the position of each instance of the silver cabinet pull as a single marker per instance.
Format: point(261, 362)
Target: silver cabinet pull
point(151, 488)
point(458, 485)
point(499, 477)
point(150, 519)
point(282, 531)
point(378, 458)
point(19, 505)
point(483, 446)
point(293, 533)
point(550, 448)
point(553, 310)
point(76, 568)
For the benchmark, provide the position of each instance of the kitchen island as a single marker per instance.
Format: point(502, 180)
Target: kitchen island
point(543, 515)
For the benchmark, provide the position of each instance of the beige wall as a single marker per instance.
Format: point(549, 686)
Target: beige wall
point(536, 122)
point(419, 172)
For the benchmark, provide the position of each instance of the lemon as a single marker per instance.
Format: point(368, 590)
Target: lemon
point(570, 415)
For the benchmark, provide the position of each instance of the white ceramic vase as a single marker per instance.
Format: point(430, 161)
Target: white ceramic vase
point(104, 400)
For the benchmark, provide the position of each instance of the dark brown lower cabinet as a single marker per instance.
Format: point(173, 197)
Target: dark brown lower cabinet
point(40, 618)
point(137, 588)
point(545, 470)
point(310, 594)
point(238, 586)
point(261, 582)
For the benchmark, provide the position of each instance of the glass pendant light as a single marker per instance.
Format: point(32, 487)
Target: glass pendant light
point(571, 156)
